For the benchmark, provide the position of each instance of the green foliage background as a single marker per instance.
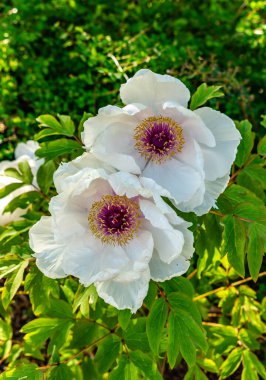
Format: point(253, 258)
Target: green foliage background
point(69, 57)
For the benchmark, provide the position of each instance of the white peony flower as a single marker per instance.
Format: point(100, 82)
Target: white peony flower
point(106, 228)
point(189, 153)
point(23, 152)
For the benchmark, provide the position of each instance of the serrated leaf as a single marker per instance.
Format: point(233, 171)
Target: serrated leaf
point(255, 250)
point(231, 363)
point(155, 323)
point(53, 149)
point(246, 144)
point(4, 191)
point(203, 94)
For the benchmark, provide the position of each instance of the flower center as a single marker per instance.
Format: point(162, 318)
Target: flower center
point(114, 219)
point(158, 138)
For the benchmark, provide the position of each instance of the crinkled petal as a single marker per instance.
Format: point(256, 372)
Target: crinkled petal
point(49, 254)
point(213, 190)
point(161, 271)
point(65, 170)
point(181, 180)
point(150, 89)
point(125, 294)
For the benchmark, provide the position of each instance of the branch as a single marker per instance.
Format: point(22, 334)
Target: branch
point(226, 287)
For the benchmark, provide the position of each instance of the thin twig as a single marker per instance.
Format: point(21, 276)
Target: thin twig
point(118, 65)
point(240, 282)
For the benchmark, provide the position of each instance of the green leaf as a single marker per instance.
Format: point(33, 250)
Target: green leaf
point(4, 191)
point(246, 144)
point(53, 149)
point(180, 340)
point(49, 121)
point(14, 173)
point(255, 250)
point(155, 323)
point(249, 369)
point(23, 201)
point(118, 373)
point(257, 364)
point(45, 176)
point(13, 283)
point(60, 372)
point(23, 372)
point(107, 352)
point(182, 302)
point(231, 363)
point(262, 146)
point(234, 242)
point(25, 170)
point(203, 94)
point(146, 365)
point(124, 318)
point(67, 124)
point(173, 341)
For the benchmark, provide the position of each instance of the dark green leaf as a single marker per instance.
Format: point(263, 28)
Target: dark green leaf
point(45, 176)
point(124, 318)
point(25, 170)
point(146, 365)
point(60, 372)
point(255, 250)
point(107, 352)
point(155, 323)
point(246, 144)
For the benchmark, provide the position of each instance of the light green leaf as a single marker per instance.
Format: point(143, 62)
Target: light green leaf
point(203, 94)
point(124, 318)
point(118, 373)
point(249, 369)
point(49, 121)
point(4, 191)
point(257, 364)
point(231, 363)
point(25, 170)
point(67, 124)
point(53, 149)
point(13, 283)
point(14, 173)
point(155, 323)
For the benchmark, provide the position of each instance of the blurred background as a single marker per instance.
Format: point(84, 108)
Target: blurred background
point(71, 56)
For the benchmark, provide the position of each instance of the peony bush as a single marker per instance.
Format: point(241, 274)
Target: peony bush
point(101, 220)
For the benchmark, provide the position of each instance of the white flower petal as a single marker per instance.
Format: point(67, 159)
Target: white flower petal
point(191, 123)
point(65, 170)
point(218, 160)
point(29, 148)
point(149, 88)
point(153, 214)
point(213, 190)
point(91, 260)
point(181, 180)
point(49, 254)
point(125, 295)
point(139, 251)
point(168, 243)
point(161, 271)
